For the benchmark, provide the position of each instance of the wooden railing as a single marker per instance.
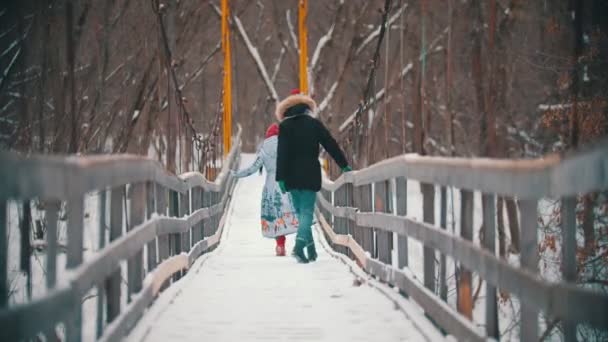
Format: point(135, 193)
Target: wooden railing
point(172, 219)
point(366, 234)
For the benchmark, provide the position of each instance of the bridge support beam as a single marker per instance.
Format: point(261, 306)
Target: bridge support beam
point(303, 42)
point(227, 117)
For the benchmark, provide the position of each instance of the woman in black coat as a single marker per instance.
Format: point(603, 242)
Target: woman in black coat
point(298, 167)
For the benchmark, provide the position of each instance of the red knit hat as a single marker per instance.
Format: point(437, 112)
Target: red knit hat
point(272, 130)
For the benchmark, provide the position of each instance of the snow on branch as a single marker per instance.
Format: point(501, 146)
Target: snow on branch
point(547, 107)
point(253, 51)
point(200, 69)
point(9, 67)
point(375, 33)
point(277, 66)
point(292, 32)
point(378, 97)
point(328, 97)
point(320, 45)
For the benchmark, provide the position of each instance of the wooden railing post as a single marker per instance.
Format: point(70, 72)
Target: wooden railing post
point(465, 302)
point(384, 239)
point(136, 217)
point(151, 209)
point(3, 255)
point(568, 212)
point(402, 244)
point(428, 216)
point(74, 259)
point(339, 223)
point(197, 230)
point(443, 286)
point(184, 210)
point(113, 282)
point(350, 202)
point(489, 242)
point(175, 238)
point(52, 210)
point(163, 240)
point(365, 235)
point(529, 261)
point(102, 242)
point(206, 222)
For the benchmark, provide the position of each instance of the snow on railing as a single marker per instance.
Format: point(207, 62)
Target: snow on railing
point(359, 205)
point(151, 192)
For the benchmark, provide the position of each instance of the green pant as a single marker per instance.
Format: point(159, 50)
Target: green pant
point(304, 203)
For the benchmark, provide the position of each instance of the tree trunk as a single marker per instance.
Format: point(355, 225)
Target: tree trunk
point(171, 117)
point(70, 54)
point(477, 71)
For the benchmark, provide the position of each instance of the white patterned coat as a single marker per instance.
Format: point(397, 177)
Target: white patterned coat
point(278, 214)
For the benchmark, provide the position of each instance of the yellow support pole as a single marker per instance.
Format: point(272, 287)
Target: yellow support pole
point(303, 32)
point(227, 115)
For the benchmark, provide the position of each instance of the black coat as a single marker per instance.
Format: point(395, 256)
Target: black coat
point(298, 152)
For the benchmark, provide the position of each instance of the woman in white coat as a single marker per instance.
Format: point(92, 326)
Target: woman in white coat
point(278, 214)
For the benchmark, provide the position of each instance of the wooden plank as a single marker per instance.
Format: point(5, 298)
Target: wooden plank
point(4, 287)
point(61, 178)
point(465, 302)
point(137, 194)
point(113, 288)
point(529, 178)
point(443, 286)
point(489, 243)
point(151, 209)
point(553, 298)
point(402, 243)
point(428, 216)
point(529, 261)
point(568, 212)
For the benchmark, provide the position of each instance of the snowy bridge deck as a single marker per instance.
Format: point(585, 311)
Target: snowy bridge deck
point(155, 228)
point(242, 292)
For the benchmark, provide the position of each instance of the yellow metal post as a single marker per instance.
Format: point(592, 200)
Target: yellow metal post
point(227, 115)
point(303, 31)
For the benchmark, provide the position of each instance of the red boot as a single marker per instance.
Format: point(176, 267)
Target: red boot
point(280, 249)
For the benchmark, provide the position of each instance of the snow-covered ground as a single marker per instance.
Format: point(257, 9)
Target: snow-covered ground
point(243, 292)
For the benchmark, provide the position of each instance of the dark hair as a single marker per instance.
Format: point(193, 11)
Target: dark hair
point(297, 109)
